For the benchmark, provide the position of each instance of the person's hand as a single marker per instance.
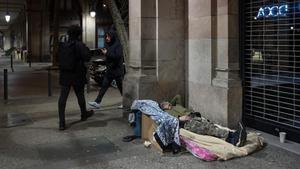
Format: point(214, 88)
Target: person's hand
point(185, 118)
point(104, 51)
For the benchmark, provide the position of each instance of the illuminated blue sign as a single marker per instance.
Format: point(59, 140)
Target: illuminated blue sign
point(273, 11)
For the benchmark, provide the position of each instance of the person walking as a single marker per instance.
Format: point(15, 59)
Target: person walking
point(72, 73)
point(115, 68)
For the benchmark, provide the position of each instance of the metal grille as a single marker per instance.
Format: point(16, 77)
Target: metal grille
point(271, 58)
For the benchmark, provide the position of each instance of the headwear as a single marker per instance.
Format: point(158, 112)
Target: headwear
point(113, 36)
point(74, 32)
point(195, 114)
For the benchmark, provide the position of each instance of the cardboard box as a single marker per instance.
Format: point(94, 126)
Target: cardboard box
point(148, 129)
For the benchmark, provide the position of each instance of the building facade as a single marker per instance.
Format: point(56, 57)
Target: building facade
point(231, 60)
point(188, 48)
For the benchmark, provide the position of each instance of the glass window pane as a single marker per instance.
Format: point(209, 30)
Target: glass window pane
point(100, 31)
point(100, 42)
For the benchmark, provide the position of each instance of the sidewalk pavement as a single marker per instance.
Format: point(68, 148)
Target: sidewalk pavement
point(95, 143)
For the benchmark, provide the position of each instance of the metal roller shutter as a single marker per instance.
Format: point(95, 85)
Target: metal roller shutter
point(271, 65)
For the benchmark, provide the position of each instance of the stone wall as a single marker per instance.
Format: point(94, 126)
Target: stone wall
point(157, 50)
point(214, 86)
point(189, 48)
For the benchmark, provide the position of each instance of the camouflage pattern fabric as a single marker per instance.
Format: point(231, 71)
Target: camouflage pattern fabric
point(202, 126)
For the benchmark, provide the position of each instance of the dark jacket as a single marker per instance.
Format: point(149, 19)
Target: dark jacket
point(77, 77)
point(114, 57)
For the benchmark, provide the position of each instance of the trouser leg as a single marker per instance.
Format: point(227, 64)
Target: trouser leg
point(64, 92)
point(204, 127)
point(103, 89)
point(119, 81)
point(79, 91)
point(217, 132)
point(138, 120)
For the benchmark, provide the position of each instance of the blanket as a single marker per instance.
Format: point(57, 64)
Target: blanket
point(167, 125)
point(223, 149)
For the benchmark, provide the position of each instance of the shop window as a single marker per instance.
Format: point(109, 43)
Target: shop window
point(100, 37)
point(257, 56)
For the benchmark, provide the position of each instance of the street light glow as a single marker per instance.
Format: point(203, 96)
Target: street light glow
point(7, 17)
point(93, 14)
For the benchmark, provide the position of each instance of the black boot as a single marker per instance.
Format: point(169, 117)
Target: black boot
point(88, 114)
point(242, 136)
point(175, 148)
point(62, 126)
point(239, 137)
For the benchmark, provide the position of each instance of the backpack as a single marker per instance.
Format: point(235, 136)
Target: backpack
point(67, 56)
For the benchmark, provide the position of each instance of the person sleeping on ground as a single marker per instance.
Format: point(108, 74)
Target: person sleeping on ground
point(186, 119)
point(193, 122)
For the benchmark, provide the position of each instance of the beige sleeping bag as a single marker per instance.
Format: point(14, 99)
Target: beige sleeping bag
point(223, 149)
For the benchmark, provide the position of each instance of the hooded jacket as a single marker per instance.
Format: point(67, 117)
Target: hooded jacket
point(77, 77)
point(114, 56)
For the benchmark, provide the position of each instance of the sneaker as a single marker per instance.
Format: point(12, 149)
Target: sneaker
point(94, 105)
point(242, 136)
point(120, 107)
point(88, 114)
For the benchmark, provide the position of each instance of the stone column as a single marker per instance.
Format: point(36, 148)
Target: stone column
point(34, 29)
point(45, 31)
point(1, 39)
point(88, 26)
point(6, 39)
point(141, 46)
point(156, 40)
point(227, 65)
point(171, 48)
point(214, 85)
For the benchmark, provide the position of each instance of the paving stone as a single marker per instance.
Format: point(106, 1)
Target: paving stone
point(17, 119)
point(76, 148)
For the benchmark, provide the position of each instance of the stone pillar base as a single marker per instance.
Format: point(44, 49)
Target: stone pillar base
point(141, 86)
